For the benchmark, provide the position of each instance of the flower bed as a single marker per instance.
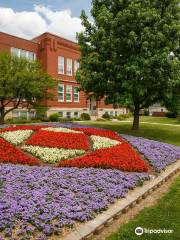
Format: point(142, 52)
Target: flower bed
point(158, 154)
point(42, 200)
point(59, 140)
point(10, 154)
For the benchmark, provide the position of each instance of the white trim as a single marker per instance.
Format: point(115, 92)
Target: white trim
point(69, 59)
point(60, 64)
point(69, 86)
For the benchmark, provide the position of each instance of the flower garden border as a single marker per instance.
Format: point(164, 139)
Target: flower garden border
point(95, 226)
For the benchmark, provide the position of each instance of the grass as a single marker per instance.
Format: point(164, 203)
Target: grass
point(164, 215)
point(169, 134)
point(159, 120)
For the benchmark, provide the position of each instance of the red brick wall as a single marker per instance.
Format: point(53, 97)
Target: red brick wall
point(7, 41)
point(51, 47)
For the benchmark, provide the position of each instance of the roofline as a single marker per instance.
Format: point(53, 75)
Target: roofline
point(30, 40)
point(55, 35)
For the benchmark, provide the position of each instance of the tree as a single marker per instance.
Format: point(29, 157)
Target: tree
point(127, 51)
point(22, 83)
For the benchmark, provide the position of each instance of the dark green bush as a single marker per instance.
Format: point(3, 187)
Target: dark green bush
point(85, 116)
point(124, 116)
point(106, 116)
point(146, 112)
point(54, 117)
point(171, 115)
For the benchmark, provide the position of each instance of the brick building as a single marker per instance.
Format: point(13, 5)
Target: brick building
point(59, 57)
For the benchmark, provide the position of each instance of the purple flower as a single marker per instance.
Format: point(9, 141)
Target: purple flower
point(47, 199)
point(158, 154)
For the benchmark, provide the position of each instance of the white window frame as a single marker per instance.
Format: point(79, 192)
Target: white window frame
point(69, 70)
point(76, 66)
point(62, 92)
point(76, 94)
point(26, 53)
point(69, 91)
point(60, 64)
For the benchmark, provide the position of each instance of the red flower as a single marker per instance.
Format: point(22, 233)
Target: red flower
point(99, 132)
point(59, 140)
point(10, 154)
point(23, 127)
point(121, 156)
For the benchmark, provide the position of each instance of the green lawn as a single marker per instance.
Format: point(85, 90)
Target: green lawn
point(159, 120)
point(169, 134)
point(164, 215)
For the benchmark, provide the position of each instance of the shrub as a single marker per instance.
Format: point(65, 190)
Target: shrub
point(65, 120)
point(146, 112)
point(124, 116)
point(171, 115)
point(106, 116)
point(85, 116)
point(54, 117)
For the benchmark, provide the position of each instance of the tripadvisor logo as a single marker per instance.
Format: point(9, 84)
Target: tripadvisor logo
point(139, 231)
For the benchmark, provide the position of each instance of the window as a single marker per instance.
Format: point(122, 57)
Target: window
point(76, 66)
point(61, 92)
point(23, 53)
point(61, 65)
point(69, 67)
point(15, 52)
point(116, 113)
point(61, 114)
point(15, 114)
point(76, 94)
point(68, 93)
point(76, 114)
point(68, 114)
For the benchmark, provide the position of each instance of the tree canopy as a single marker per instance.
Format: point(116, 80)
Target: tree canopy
point(22, 82)
point(130, 52)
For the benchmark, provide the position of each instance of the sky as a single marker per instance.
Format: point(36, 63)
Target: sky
point(29, 18)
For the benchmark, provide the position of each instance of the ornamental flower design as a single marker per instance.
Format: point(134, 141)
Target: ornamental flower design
point(65, 146)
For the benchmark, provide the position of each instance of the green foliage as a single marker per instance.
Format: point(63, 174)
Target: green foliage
point(106, 116)
point(21, 120)
point(171, 115)
point(146, 112)
point(85, 116)
point(41, 112)
point(127, 51)
point(124, 116)
point(173, 102)
point(22, 79)
point(65, 120)
point(54, 117)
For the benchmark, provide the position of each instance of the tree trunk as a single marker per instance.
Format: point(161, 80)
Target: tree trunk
point(2, 115)
point(136, 118)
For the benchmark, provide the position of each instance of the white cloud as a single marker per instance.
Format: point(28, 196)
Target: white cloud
point(42, 19)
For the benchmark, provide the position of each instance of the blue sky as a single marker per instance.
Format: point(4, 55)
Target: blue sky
point(27, 5)
point(29, 18)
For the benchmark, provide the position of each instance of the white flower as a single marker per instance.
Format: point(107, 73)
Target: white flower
point(52, 155)
point(16, 137)
point(60, 129)
point(102, 142)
